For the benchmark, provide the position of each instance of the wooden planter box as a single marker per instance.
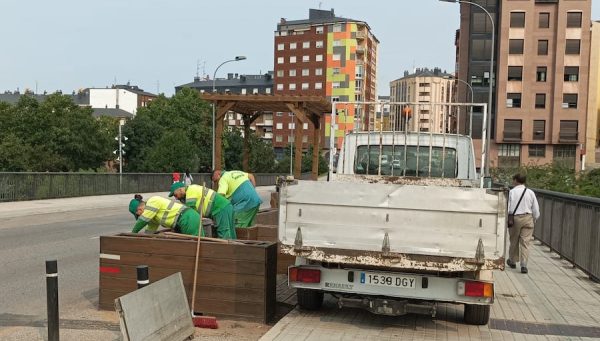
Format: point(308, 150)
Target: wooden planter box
point(234, 280)
point(270, 233)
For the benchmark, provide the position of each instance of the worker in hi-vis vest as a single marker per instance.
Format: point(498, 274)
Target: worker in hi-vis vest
point(158, 211)
point(238, 187)
point(214, 206)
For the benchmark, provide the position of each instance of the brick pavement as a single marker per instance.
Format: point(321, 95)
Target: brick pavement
point(553, 302)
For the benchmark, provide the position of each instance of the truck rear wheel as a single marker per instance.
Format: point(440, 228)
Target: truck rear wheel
point(477, 314)
point(309, 299)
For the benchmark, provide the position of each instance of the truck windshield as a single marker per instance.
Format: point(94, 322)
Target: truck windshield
point(394, 162)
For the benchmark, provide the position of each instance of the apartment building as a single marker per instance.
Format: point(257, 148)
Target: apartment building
point(540, 81)
point(327, 56)
point(592, 144)
point(240, 85)
point(422, 86)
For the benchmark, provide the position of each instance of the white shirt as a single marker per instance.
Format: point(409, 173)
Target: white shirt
point(529, 204)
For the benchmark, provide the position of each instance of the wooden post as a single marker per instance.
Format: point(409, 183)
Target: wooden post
point(246, 154)
point(222, 109)
point(298, 147)
point(316, 148)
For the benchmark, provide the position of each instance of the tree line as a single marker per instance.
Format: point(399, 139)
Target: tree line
point(170, 134)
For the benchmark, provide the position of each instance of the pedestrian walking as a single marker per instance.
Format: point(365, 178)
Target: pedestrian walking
point(188, 179)
point(523, 211)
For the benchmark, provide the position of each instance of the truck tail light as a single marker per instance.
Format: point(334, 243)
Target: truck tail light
point(476, 289)
point(304, 275)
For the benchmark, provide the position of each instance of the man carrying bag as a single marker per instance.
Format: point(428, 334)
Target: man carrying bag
point(523, 211)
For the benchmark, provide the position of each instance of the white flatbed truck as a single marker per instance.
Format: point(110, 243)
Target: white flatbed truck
point(420, 230)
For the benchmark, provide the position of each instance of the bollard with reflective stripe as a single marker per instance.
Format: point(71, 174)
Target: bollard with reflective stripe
point(142, 276)
point(52, 299)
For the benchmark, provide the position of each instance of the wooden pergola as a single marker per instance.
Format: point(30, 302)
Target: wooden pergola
point(306, 109)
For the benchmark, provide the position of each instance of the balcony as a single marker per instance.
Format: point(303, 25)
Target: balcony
point(360, 50)
point(513, 136)
point(361, 35)
point(568, 137)
point(265, 123)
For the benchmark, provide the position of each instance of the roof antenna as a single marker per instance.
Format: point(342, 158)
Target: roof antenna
point(198, 68)
point(320, 3)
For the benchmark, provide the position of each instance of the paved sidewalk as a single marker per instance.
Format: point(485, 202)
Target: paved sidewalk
point(552, 302)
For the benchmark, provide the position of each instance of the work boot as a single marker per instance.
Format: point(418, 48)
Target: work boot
point(511, 264)
point(524, 270)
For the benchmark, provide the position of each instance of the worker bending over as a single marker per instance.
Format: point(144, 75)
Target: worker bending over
point(238, 187)
point(214, 206)
point(158, 211)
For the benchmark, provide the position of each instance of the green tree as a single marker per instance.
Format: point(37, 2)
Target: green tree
point(186, 114)
point(171, 152)
point(283, 166)
point(261, 157)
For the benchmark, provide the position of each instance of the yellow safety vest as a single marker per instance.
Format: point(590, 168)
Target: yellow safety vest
point(230, 181)
point(194, 195)
point(161, 212)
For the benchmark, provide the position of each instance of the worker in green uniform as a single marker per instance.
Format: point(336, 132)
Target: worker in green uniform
point(239, 188)
point(214, 206)
point(158, 211)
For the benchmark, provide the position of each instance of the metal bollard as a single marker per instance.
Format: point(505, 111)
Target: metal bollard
point(142, 276)
point(52, 299)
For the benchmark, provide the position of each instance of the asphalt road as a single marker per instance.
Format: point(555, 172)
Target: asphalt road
point(67, 230)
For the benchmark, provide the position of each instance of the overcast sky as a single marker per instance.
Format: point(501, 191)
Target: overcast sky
point(67, 44)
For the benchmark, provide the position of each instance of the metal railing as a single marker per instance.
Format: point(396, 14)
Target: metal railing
point(570, 226)
point(34, 186)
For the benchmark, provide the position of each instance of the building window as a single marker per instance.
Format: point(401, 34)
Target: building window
point(573, 19)
point(318, 86)
point(319, 29)
point(517, 19)
point(509, 155)
point(544, 20)
point(280, 47)
point(305, 126)
point(291, 138)
point(306, 58)
point(280, 86)
point(278, 138)
point(537, 150)
point(292, 72)
point(569, 101)
point(337, 28)
point(318, 72)
point(336, 70)
point(513, 100)
point(319, 58)
point(268, 90)
point(279, 125)
point(481, 49)
point(337, 56)
point(305, 72)
point(542, 47)
point(512, 130)
point(515, 73)
point(291, 125)
point(304, 86)
point(540, 101)
point(279, 73)
point(292, 86)
point(283, 33)
point(319, 44)
point(279, 60)
point(279, 114)
point(480, 23)
point(304, 139)
point(292, 59)
point(336, 85)
point(515, 46)
point(568, 131)
point(572, 46)
point(539, 130)
point(571, 73)
point(293, 46)
point(337, 43)
point(244, 91)
point(306, 45)
point(541, 73)
point(254, 91)
point(565, 155)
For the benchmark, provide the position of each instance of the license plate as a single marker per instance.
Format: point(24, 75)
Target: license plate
point(373, 278)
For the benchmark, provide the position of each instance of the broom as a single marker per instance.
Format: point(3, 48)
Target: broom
point(199, 320)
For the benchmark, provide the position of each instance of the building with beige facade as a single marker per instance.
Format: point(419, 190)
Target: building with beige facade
point(540, 86)
point(592, 144)
point(423, 86)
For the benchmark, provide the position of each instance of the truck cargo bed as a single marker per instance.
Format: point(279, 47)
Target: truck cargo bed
point(431, 228)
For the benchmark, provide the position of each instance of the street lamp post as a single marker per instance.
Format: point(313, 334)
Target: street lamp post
point(236, 59)
point(486, 132)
